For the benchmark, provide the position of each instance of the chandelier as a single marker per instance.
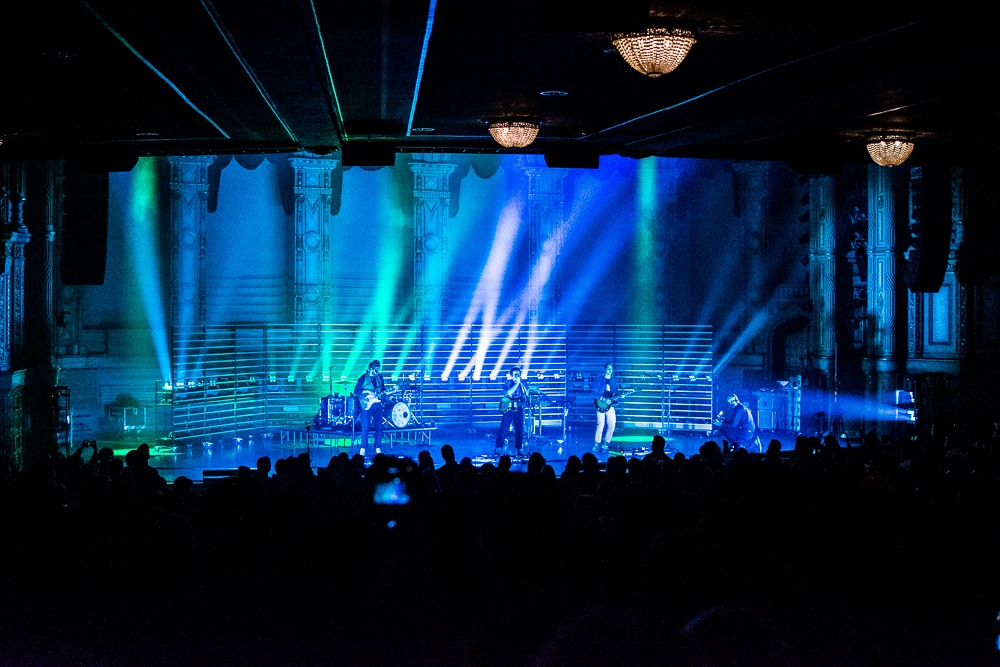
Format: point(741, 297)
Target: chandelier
point(889, 150)
point(657, 51)
point(513, 133)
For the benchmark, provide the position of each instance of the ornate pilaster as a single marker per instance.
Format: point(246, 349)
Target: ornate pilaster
point(752, 212)
point(14, 237)
point(431, 200)
point(313, 194)
point(671, 234)
point(936, 320)
point(38, 396)
point(41, 222)
point(883, 284)
point(822, 274)
point(545, 241)
point(750, 209)
point(188, 210)
point(959, 211)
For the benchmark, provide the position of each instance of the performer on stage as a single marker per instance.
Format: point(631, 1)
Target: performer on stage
point(736, 424)
point(368, 392)
point(605, 387)
point(515, 394)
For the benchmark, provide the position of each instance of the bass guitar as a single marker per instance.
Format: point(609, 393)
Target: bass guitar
point(604, 404)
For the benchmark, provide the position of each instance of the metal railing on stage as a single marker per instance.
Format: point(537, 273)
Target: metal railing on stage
point(235, 379)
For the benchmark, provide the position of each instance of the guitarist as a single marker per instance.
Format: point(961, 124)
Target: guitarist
point(368, 391)
point(515, 394)
point(605, 387)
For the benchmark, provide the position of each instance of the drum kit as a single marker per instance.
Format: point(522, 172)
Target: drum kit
point(396, 410)
point(397, 407)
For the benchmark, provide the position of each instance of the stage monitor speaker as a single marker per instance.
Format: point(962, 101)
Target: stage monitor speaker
point(84, 244)
point(930, 228)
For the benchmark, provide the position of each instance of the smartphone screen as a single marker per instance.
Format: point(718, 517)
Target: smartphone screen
point(391, 492)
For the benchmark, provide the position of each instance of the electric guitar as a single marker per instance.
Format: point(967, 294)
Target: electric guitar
point(370, 398)
point(507, 404)
point(604, 404)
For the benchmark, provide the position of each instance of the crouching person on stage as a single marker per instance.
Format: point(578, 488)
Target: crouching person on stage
point(736, 425)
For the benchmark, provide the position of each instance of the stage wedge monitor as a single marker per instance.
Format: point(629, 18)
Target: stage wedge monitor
point(84, 244)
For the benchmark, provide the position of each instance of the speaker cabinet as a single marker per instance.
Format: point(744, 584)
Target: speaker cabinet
point(84, 226)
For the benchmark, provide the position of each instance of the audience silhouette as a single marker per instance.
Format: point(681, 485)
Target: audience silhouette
point(828, 554)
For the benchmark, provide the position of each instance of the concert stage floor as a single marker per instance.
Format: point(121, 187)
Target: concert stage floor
point(228, 454)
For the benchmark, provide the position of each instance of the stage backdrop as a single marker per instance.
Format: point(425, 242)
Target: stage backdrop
point(444, 240)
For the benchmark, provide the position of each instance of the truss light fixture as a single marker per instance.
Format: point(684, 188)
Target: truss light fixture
point(513, 133)
point(655, 52)
point(889, 150)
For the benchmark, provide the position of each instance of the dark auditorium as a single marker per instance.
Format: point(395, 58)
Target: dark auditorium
point(437, 333)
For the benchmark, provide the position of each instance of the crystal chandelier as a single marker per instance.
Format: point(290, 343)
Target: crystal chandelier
point(513, 133)
point(889, 150)
point(657, 51)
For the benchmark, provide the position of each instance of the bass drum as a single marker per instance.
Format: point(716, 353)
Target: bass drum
point(400, 415)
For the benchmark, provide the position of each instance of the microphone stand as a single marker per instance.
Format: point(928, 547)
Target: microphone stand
point(530, 413)
point(666, 403)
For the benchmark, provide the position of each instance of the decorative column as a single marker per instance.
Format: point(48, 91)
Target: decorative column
point(431, 201)
point(752, 212)
point(750, 208)
point(545, 239)
point(672, 234)
point(39, 396)
point(41, 221)
point(822, 274)
point(14, 237)
point(936, 321)
point(188, 210)
point(313, 194)
point(20, 406)
point(883, 291)
point(959, 212)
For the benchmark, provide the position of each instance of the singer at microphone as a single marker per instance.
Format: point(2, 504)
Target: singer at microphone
point(515, 393)
point(737, 426)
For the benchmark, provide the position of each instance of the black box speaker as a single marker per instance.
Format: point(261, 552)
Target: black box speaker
point(84, 226)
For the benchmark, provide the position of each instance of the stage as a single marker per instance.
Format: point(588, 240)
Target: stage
point(228, 454)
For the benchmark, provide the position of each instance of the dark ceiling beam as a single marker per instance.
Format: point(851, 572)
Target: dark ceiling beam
point(231, 43)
